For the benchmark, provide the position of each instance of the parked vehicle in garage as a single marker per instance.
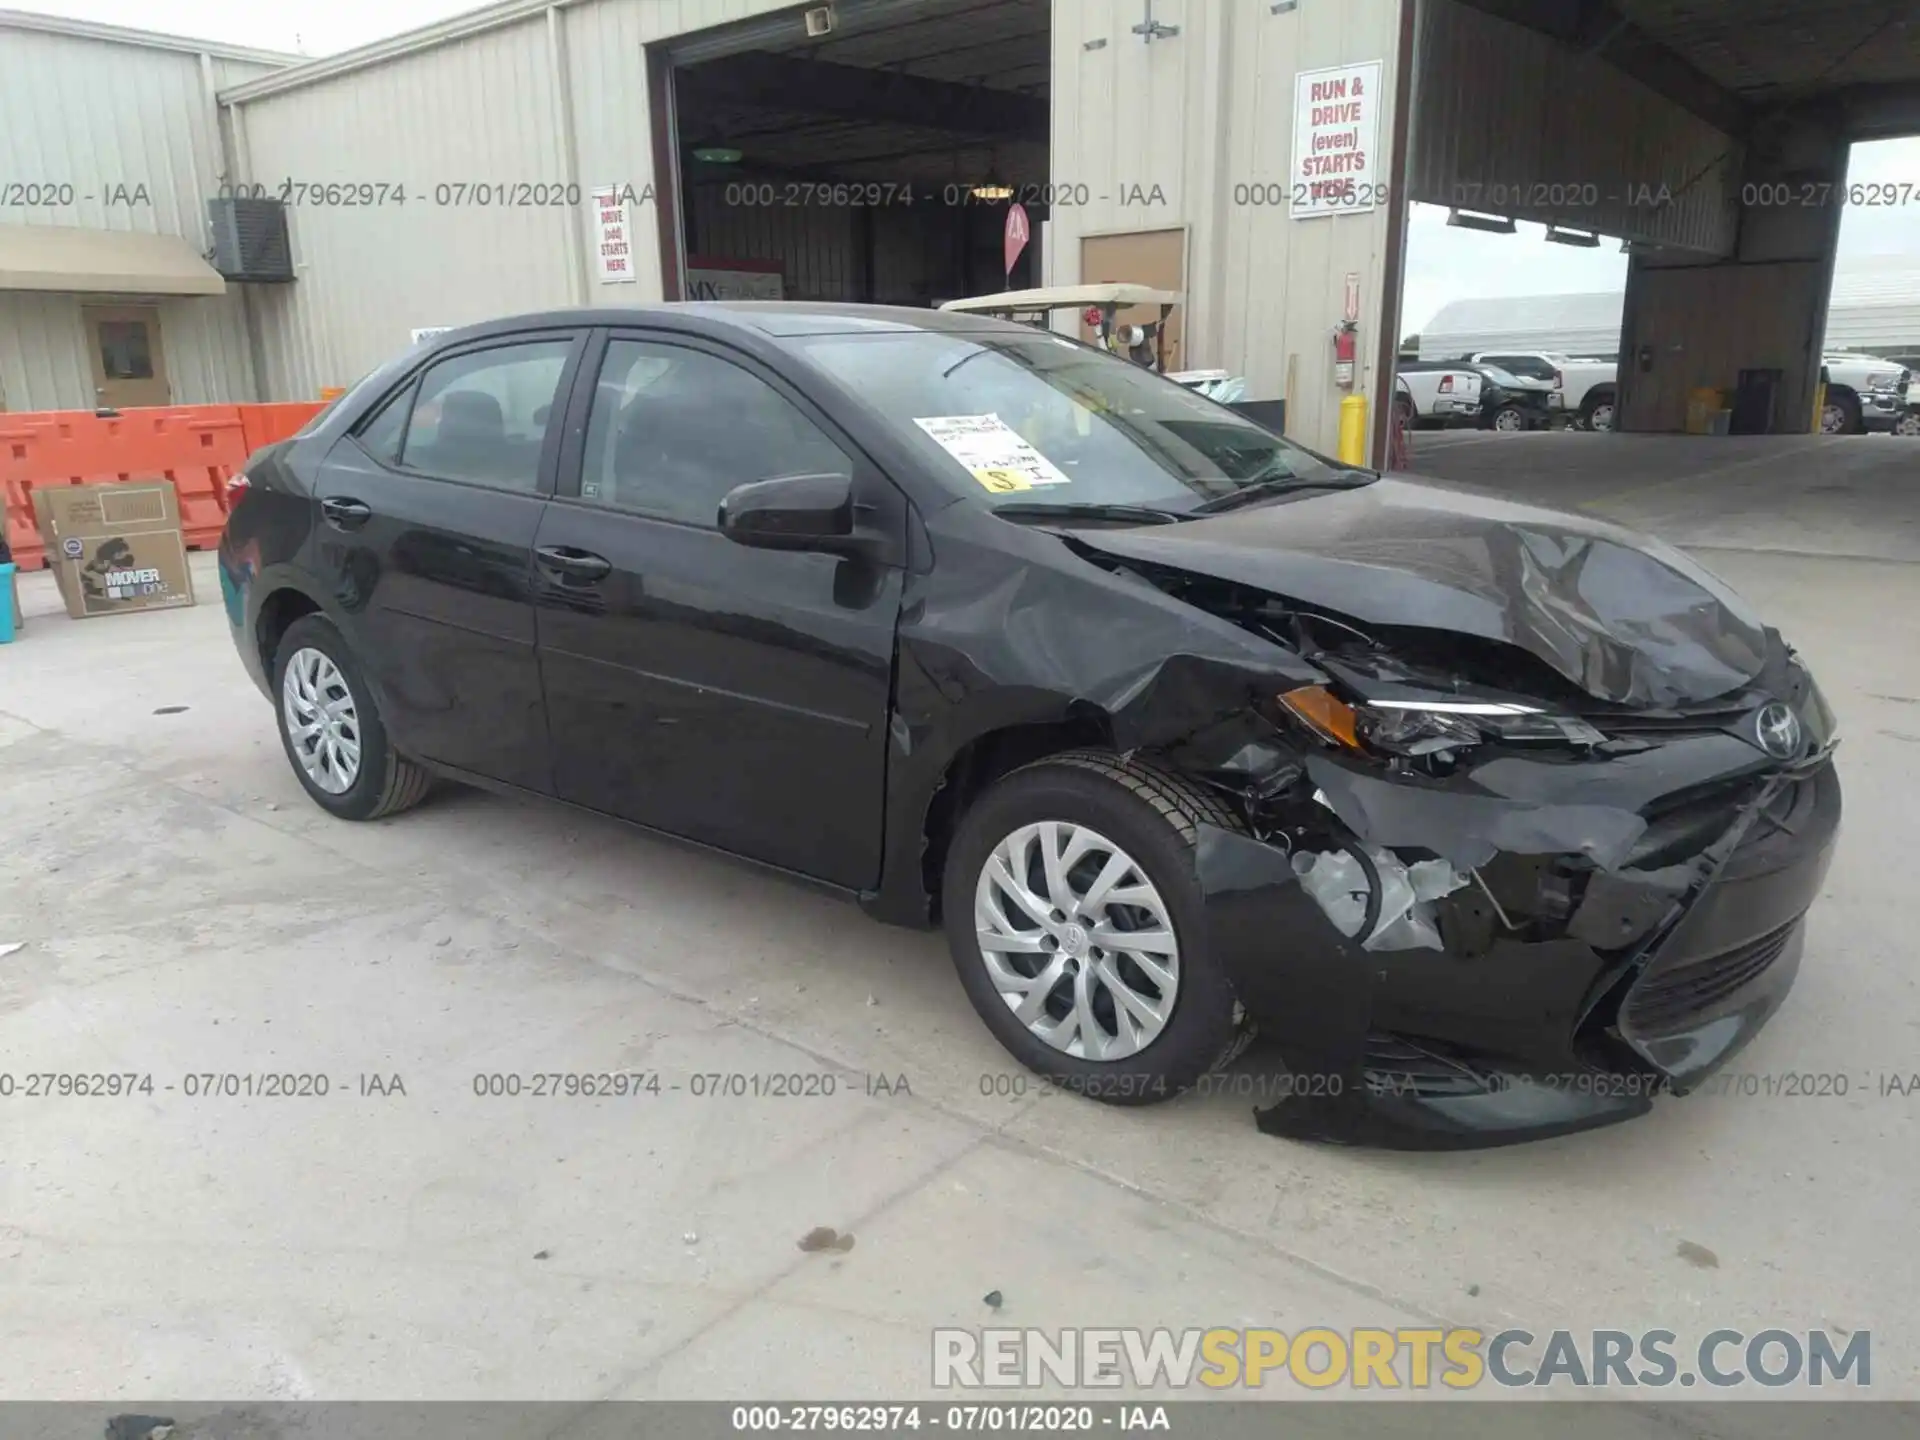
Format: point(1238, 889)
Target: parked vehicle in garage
point(1432, 393)
point(1585, 390)
point(1496, 822)
point(1864, 393)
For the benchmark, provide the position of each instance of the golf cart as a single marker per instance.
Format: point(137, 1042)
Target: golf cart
point(1144, 344)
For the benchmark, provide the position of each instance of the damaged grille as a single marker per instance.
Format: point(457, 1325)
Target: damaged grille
point(1669, 997)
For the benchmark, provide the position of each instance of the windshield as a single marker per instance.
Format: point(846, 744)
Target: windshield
point(1024, 420)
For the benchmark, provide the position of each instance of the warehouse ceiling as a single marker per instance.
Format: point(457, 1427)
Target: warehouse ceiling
point(930, 93)
point(1765, 50)
point(1727, 60)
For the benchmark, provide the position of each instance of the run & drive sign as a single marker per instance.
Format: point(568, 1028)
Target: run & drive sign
point(1337, 169)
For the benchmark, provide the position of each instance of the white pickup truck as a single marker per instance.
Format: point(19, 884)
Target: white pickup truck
point(1584, 389)
point(1864, 393)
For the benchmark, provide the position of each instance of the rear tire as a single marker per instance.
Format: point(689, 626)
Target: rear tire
point(1597, 414)
point(1143, 823)
point(1908, 424)
point(331, 731)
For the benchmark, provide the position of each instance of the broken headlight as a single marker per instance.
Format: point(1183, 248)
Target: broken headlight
point(1423, 726)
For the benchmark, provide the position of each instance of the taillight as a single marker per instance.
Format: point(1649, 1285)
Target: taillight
point(1446, 384)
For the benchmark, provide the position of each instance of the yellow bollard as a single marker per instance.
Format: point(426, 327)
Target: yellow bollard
point(1819, 406)
point(1353, 430)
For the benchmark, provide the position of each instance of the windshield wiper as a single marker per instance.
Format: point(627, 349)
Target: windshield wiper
point(1280, 485)
point(1124, 514)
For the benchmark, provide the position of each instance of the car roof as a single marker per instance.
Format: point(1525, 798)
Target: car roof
point(777, 318)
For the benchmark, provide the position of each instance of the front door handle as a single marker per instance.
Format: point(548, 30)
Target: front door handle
point(345, 514)
point(570, 564)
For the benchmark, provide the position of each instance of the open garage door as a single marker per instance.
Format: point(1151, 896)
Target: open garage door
point(868, 151)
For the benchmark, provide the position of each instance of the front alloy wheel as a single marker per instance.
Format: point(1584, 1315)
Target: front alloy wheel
point(1510, 419)
point(1077, 941)
point(1908, 424)
point(1075, 919)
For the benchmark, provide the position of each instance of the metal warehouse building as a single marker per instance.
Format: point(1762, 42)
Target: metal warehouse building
point(109, 151)
point(1874, 308)
point(1259, 155)
point(757, 158)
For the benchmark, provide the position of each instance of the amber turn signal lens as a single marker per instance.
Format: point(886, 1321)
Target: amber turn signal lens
point(1323, 712)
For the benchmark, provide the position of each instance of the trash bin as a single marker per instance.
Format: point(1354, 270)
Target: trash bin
point(1702, 406)
point(1754, 401)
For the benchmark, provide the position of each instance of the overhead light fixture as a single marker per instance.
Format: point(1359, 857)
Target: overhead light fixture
point(1637, 247)
point(717, 154)
point(1472, 220)
point(1584, 239)
point(991, 190)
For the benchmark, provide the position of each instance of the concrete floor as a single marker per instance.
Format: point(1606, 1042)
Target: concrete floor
point(185, 910)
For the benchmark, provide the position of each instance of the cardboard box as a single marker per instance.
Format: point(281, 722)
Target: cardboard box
point(114, 548)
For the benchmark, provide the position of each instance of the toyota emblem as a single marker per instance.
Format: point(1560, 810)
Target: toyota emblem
point(1778, 730)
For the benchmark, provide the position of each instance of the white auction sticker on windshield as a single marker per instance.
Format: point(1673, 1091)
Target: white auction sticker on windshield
point(992, 451)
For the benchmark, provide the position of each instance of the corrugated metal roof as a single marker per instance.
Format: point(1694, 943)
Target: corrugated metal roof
point(1875, 303)
point(145, 39)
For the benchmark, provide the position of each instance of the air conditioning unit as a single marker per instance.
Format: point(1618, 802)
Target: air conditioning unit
point(250, 239)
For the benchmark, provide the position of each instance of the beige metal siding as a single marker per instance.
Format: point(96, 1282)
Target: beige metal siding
point(107, 119)
point(505, 107)
point(459, 128)
point(1198, 115)
point(1512, 123)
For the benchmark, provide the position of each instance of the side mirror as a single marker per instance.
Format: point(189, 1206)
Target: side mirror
point(792, 512)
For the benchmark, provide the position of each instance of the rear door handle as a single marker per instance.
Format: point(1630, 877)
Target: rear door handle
point(345, 514)
point(571, 564)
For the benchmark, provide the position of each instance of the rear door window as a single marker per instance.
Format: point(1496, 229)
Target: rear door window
point(482, 416)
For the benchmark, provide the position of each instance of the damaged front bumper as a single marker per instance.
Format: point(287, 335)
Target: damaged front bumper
point(1537, 949)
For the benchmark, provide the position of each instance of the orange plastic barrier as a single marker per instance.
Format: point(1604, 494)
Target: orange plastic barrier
point(196, 446)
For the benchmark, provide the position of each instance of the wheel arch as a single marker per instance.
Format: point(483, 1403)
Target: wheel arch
point(982, 760)
point(283, 604)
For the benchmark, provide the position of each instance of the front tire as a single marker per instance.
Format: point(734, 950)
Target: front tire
point(1509, 419)
point(1841, 416)
point(1075, 923)
point(331, 730)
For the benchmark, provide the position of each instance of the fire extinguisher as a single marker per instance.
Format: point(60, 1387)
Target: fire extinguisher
point(1346, 339)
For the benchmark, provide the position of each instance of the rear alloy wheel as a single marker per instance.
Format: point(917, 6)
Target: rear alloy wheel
point(1600, 416)
point(1073, 916)
point(1509, 418)
point(331, 730)
point(1908, 424)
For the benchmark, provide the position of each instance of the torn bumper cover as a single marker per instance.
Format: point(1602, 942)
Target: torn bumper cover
point(1483, 968)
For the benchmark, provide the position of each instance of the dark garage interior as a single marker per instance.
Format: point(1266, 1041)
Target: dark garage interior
point(875, 163)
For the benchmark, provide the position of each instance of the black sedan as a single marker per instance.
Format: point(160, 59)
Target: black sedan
point(1494, 822)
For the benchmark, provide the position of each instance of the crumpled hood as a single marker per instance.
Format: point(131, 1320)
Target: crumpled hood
point(1628, 619)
